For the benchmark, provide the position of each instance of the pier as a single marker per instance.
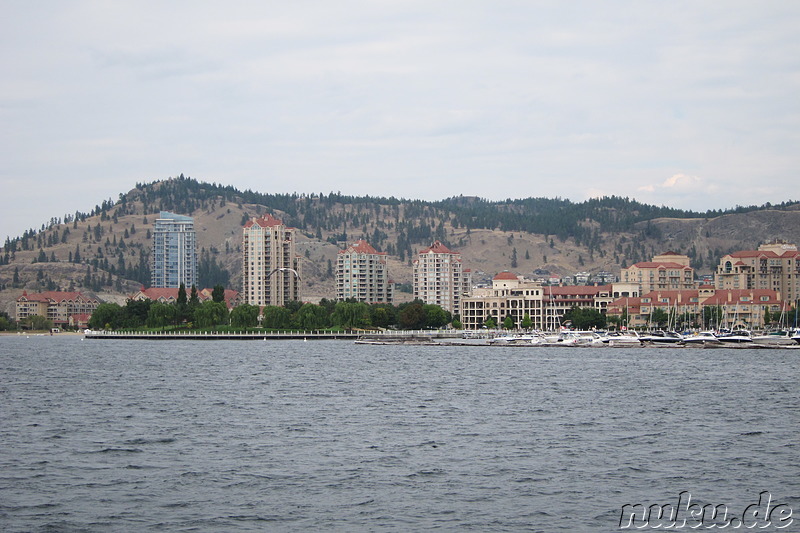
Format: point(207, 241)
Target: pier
point(271, 335)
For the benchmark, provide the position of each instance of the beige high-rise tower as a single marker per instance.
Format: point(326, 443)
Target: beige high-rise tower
point(361, 274)
point(270, 266)
point(440, 278)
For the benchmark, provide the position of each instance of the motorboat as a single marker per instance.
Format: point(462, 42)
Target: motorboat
point(662, 337)
point(622, 338)
point(737, 336)
point(701, 338)
point(522, 338)
point(782, 337)
point(574, 338)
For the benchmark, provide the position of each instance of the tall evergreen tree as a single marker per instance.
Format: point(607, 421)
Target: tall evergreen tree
point(218, 294)
point(182, 300)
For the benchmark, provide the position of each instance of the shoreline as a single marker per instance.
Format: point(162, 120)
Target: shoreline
point(40, 332)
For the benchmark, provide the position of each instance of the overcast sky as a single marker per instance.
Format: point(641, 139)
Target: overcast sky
point(693, 105)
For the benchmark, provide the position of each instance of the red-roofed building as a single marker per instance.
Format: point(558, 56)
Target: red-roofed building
point(774, 266)
point(57, 306)
point(158, 294)
point(672, 257)
point(440, 278)
point(170, 296)
point(669, 271)
point(80, 321)
point(731, 308)
point(270, 267)
point(232, 298)
point(362, 274)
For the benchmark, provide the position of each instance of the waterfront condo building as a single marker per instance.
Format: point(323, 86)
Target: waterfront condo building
point(60, 307)
point(774, 266)
point(440, 279)
point(514, 296)
point(509, 296)
point(174, 251)
point(704, 307)
point(361, 274)
point(270, 266)
point(669, 271)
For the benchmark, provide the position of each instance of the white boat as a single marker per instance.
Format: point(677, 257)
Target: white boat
point(739, 336)
point(775, 338)
point(701, 338)
point(662, 337)
point(622, 338)
point(573, 338)
point(522, 338)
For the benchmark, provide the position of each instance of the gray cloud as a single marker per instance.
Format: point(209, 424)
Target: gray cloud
point(413, 99)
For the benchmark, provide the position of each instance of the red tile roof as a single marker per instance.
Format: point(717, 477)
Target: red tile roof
point(266, 221)
point(361, 247)
point(753, 253)
point(53, 296)
point(730, 296)
point(505, 275)
point(157, 293)
point(745, 254)
point(167, 294)
point(665, 266)
point(438, 248)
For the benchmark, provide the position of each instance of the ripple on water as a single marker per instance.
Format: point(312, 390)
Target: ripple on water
point(250, 436)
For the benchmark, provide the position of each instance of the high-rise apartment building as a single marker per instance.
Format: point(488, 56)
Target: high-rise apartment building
point(440, 278)
point(361, 274)
point(270, 266)
point(174, 251)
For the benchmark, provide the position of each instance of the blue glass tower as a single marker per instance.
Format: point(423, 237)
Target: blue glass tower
point(174, 251)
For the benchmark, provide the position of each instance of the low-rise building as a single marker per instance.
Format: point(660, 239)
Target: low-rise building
point(697, 307)
point(57, 306)
point(510, 295)
point(774, 266)
point(668, 271)
point(170, 296)
point(560, 299)
point(513, 295)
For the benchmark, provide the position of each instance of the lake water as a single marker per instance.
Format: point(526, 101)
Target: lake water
point(100, 435)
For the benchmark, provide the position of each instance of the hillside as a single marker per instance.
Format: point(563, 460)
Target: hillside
point(107, 251)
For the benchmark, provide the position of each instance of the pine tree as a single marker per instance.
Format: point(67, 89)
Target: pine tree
point(182, 295)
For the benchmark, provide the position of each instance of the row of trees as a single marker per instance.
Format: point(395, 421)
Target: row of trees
point(191, 313)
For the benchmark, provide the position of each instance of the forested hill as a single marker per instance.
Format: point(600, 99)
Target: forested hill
point(108, 249)
point(559, 217)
